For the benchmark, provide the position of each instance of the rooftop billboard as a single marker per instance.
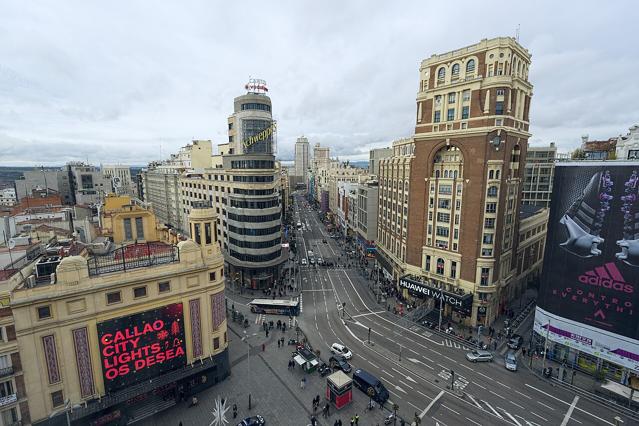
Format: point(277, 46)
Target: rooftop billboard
point(588, 298)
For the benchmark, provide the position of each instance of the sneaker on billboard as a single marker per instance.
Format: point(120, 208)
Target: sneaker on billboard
point(585, 217)
point(629, 245)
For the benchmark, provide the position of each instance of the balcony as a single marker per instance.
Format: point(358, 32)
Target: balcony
point(9, 399)
point(133, 256)
point(7, 371)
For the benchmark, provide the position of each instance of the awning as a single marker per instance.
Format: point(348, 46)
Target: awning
point(299, 360)
point(314, 362)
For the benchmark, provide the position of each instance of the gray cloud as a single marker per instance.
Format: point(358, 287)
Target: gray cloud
point(117, 81)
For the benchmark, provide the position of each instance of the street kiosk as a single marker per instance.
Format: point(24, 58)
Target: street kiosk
point(339, 389)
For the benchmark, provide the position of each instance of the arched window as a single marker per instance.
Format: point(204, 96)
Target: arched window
point(497, 174)
point(441, 74)
point(491, 174)
point(436, 173)
point(406, 186)
point(446, 173)
point(455, 174)
point(470, 66)
point(455, 70)
point(492, 191)
point(440, 266)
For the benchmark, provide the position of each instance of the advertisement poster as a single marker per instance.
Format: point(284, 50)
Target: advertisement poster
point(589, 293)
point(142, 346)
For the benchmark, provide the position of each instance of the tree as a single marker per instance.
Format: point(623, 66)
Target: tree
point(578, 154)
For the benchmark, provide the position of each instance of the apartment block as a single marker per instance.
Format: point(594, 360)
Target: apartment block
point(538, 175)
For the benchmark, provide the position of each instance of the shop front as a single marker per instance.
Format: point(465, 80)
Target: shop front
point(457, 303)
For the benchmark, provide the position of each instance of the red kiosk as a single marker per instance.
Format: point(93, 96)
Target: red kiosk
point(339, 389)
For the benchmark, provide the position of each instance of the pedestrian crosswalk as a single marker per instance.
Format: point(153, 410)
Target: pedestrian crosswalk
point(499, 412)
point(453, 344)
point(460, 382)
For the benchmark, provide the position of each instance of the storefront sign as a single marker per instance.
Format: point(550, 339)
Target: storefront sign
point(264, 134)
point(460, 303)
point(142, 346)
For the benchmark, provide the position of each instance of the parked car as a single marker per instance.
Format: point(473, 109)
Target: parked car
point(342, 350)
point(311, 260)
point(510, 361)
point(338, 362)
point(479, 356)
point(253, 421)
point(324, 370)
point(304, 262)
point(324, 241)
point(320, 261)
point(515, 341)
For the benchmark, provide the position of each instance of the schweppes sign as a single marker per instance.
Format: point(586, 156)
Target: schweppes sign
point(263, 135)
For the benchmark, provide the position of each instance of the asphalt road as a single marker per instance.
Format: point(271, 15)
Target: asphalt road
point(415, 363)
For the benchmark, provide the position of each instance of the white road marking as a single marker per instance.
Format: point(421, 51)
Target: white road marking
point(523, 394)
point(473, 421)
point(477, 384)
point(517, 405)
point(406, 384)
point(492, 409)
point(570, 410)
point(371, 363)
point(474, 401)
point(421, 416)
point(496, 394)
point(545, 405)
point(510, 416)
point(535, 414)
point(423, 394)
point(386, 372)
point(369, 313)
point(450, 409)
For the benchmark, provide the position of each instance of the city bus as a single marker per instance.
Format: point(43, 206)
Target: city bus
point(275, 307)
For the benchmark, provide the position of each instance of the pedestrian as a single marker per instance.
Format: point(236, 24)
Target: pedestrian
point(234, 410)
point(352, 421)
point(266, 332)
point(356, 418)
point(302, 382)
point(494, 345)
point(180, 424)
point(523, 351)
point(278, 343)
point(336, 423)
point(313, 421)
point(328, 410)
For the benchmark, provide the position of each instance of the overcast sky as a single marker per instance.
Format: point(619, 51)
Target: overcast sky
point(132, 81)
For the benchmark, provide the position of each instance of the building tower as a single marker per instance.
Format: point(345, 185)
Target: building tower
point(203, 227)
point(302, 158)
point(253, 222)
point(464, 180)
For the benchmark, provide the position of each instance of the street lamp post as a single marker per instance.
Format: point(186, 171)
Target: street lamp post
point(248, 360)
point(543, 361)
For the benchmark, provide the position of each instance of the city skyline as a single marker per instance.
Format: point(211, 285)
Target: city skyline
point(164, 76)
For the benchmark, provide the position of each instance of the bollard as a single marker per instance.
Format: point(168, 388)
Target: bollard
point(263, 347)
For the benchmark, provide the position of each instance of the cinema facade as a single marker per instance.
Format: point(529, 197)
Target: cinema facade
point(121, 336)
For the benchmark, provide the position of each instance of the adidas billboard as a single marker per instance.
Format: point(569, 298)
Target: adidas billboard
point(587, 297)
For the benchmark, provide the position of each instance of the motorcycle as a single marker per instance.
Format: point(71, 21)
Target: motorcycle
point(389, 419)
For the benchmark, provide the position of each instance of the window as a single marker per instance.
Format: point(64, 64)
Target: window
point(489, 223)
point(451, 98)
point(453, 269)
point(492, 191)
point(485, 274)
point(44, 312)
point(427, 263)
point(465, 112)
point(500, 92)
point(445, 189)
point(441, 74)
point(470, 66)
point(9, 417)
point(438, 117)
point(128, 232)
point(486, 252)
point(164, 286)
point(488, 238)
point(139, 292)
point(440, 266)
point(491, 207)
point(139, 228)
point(499, 122)
point(216, 343)
point(113, 297)
point(491, 174)
point(442, 217)
point(212, 276)
point(57, 398)
point(443, 204)
point(442, 231)
point(438, 100)
point(499, 108)
point(466, 95)
point(455, 70)
point(451, 114)
point(456, 234)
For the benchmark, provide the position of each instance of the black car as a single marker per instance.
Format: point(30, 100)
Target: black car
point(252, 421)
point(515, 341)
point(340, 363)
point(324, 370)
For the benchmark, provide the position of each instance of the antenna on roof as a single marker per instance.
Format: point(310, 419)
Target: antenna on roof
point(517, 32)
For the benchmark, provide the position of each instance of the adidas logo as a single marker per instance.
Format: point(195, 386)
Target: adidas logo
point(607, 276)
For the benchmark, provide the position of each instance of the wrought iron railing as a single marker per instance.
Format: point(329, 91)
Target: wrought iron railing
point(133, 256)
point(7, 371)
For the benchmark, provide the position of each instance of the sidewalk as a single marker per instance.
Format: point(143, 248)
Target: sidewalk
point(275, 391)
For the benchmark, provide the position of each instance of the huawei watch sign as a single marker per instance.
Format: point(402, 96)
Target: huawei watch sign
point(460, 303)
